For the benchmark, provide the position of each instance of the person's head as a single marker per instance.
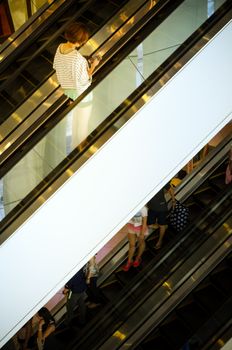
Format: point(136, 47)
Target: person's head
point(45, 314)
point(77, 33)
point(181, 174)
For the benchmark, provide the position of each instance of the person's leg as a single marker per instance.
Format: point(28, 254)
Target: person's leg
point(132, 241)
point(95, 296)
point(141, 248)
point(82, 307)
point(162, 230)
point(162, 222)
point(94, 290)
point(70, 305)
point(81, 119)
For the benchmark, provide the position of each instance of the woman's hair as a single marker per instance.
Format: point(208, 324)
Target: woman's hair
point(77, 32)
point(45, 314)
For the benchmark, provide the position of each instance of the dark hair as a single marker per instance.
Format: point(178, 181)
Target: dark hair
point(181, 174)
point(76, 32)
point(45, 314)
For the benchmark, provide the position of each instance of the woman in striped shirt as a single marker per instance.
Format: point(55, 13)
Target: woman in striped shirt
point(74, 74)
point(72, 69)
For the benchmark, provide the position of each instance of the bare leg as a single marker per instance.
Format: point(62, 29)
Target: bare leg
point(162, 230)
point(141, 246)
point(132, 241)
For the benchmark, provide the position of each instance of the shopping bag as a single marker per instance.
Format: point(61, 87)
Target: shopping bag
point(179, 216)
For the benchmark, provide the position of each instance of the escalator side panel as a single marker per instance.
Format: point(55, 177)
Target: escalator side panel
point(100, 185)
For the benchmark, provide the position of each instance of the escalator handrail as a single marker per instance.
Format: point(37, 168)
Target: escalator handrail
point(186, 187)
point(23, 27)
point(138, 280)
point(115, 116)
point(21, 46)
point(220, 252)
point(43, 46)
point(12, 146)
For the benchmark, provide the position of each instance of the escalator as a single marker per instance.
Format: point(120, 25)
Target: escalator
point(199, 316)
point(117, 215)
point(124, 292)
point(57, 154)
point(46, 97)
point(23, 72)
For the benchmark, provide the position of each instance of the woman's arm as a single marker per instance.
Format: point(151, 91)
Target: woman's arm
point(43, 335)
point(171, 191)
point(28, 333)
point(51, 328)
point(89, 271)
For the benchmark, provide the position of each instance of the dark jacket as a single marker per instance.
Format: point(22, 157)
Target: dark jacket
point(77, 283)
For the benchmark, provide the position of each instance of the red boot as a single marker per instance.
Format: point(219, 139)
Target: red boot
point(127, 266)
point(137, 262)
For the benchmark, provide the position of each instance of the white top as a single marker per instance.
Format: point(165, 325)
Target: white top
point(72, 70)
point(137, 220)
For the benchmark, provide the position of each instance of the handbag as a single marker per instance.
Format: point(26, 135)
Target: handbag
point(179, 216)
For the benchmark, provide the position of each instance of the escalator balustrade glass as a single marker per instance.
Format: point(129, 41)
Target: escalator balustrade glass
point(98, 104)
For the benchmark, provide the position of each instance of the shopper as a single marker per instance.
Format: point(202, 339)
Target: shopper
point(137, 229)
point(75, 292)
point(72, 69)
point(158, 212)
point(93, 291)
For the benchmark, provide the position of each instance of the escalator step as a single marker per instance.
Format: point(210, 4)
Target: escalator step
point(175, 330)
point(223, 280)
point(30, 51)
point(194, 208)
point(47, 35)
point(18, 90)
point(126, 277)
point(192, 313)
point(39, 69)
point(205, 197)
point(98, 12)
point(6, 108)
point(209, 297)
point(147, 257)
point(218, 182)
point(50, 50)
point(209, 328)
point(8, 72)
point(156, 341)
point(111, 291)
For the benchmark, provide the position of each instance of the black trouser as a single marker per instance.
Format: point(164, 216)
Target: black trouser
point(93, 291)
point(76, 299)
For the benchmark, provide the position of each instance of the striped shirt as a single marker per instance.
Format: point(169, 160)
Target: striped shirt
point(72, 70)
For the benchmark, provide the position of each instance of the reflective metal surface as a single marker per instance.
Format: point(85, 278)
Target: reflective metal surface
point(19, 121)
point(173, 290)
point(105, 136)
point(117, 27)
point(14, 41)
point(168, 286)
point(114, 27)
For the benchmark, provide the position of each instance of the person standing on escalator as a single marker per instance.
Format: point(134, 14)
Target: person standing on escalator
point(158, 212)
point(137, 230)
point(74, 74)
point(75, 290)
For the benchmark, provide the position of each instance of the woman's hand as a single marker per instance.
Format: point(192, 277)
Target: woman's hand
point(173, 203)
point(95, 61)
